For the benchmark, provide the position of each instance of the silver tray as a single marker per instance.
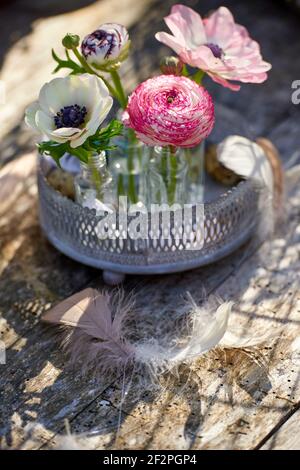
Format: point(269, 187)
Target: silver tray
point(229, 218)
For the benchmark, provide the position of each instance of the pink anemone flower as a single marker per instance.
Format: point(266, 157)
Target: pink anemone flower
point(170, 110)
point(217, 45)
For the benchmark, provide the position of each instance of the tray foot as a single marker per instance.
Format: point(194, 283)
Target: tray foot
point(112, 278)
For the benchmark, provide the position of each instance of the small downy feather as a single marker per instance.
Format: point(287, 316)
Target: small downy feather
point(100, 342)
point(207, 325)
point(240, 338)
point(97, 340)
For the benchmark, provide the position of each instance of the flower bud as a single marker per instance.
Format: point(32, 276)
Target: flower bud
point(171, 66)
point(70, 41)
point(106, 47)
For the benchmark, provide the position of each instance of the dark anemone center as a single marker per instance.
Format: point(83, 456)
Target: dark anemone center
point(215, 49)
point(70, 116)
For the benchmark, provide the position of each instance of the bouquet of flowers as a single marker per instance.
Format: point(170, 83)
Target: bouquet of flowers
point(160, 121)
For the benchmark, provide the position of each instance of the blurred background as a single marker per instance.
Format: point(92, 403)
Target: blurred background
point(30, 28)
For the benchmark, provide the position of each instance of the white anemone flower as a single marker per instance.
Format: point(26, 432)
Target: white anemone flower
point(70, 109)
point(106, 47)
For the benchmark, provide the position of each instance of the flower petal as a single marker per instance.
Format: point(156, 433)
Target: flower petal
point(76, 142)
point(222, 81)
point(44, 122)
point(186, 25)
point(46, 126)
point(67, 132)
point(88, 90)
point(55, 95)
point(203, 58)
point(219, 27)
point(30, 114)
point(99, 113)
point(170, 41)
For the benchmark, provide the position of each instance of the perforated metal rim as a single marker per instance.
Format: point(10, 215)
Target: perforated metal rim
point(229, 221)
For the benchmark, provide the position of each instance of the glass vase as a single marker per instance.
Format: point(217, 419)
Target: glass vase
point(196, 172)
point(127, 163)
point(93, 184)
point(166, 177)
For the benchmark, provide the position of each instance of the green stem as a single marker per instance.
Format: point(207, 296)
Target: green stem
point(121, 188)
point(164, 165)
point(131, 138)
point(131, 177)
point(185, 72)
point(89, 69)
point(96, 178)
point(173, 176)
point(121, 96)
point(130, 167)
point(198, 76)
point(192, 171)
point(164, 170)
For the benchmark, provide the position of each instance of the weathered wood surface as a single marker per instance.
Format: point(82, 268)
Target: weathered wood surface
point(287, 437)
point(230, 400)
point(227, 402)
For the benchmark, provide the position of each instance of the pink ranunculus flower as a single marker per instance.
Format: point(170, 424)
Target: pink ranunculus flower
point(170, 110)
point(217, 45)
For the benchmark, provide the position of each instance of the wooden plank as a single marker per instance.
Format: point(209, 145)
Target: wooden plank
point(230, 400)
point(165, 294)
point(35, 286)
point(36, 351)
point(33, 275)
point(196, 418)
point(36, 387)
point(287, 437)
point(14, 178)
point(27, 288)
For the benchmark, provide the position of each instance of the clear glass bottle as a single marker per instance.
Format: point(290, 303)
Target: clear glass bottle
point(166, 177)
point(93, 185)
point(196, 172)
point(127, 163)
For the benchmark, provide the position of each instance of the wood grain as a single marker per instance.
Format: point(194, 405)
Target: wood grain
point(287, 437)
point(227, 400)
point(232, 398)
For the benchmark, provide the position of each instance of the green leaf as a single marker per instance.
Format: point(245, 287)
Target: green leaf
point(96, 143)
point(80, 152)
point(114, 128)
point(54, 149)
point(67, 64)
point(101, 139)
